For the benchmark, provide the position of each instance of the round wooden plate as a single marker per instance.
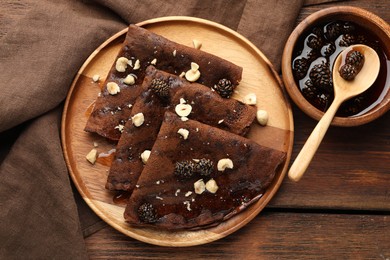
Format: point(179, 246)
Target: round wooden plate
point(259, 77)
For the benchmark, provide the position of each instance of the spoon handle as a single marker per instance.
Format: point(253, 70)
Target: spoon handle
point(305, 156)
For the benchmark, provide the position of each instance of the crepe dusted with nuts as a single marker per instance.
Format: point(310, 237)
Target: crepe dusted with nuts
point(167, 92)
point(201, 180)
point(140, 49)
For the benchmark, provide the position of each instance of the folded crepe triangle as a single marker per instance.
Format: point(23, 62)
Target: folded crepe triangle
point(201, 180)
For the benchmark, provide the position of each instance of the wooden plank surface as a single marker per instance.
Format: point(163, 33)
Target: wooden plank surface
point(271, 235)
point(339, 210)
point(351, 169)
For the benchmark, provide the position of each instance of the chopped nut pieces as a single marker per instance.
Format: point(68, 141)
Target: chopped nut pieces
point(120, 128)
point(188, 205)
point(145, 156)
point(212, 186)
point(183, 109)
point(138, 119)
point(91, 156)
point(95, 78)
point(193, 74)
point(121, 64)
point(137, 65)
point(113, 88)
point(183, 132)
point(174, 53)
point(197, 44)
point(262, 117)
point(184, 118)
point(199, 186)
point(129, 80)
point(224, 163)
point(153, 62)
point(250, 99)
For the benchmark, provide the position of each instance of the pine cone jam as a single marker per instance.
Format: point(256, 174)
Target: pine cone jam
point(314, 56)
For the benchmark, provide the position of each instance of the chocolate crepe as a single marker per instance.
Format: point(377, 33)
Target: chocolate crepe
point(140, 49)
point(167, 196)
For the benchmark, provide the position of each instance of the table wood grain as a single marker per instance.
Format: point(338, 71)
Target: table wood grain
point(339, 210)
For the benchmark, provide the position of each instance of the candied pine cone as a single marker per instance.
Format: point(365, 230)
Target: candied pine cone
point(309, 91)
point(348, 27)
point(315, 42)
point(224, 88)
point(204, 167)
point(147, 213)
point(321, 77)
point(348, 71)
point(300, 67)
point(313, 55)
point(347, 40)
point(160, 87)
point(184, 169)
point(317, 31)
point(333, 30)
point(355, 58)
point(328, 49)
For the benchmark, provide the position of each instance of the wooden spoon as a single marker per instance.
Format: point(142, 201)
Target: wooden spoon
point(343, 90)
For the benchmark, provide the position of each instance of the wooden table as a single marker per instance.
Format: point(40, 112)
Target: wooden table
point(339, 210)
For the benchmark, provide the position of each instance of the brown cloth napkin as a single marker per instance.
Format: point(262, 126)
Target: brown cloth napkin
point(42, 46)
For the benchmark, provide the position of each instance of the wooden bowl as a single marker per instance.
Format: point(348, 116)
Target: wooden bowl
point(368, 21)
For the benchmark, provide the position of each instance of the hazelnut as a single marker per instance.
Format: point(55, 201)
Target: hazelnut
point(199, 186)
point(183, 132)
point(197, 44)
point(113, 88)
point(121, 64)
point(138, 119)
point(250, 99)
point(262, 117)
point(129, 80)
point(193, 74)
point(145, 156)
point(183, 109)
point(224, 163)
point(137, 65)
point(212, 186)
point(96, 78)
point(91, 156)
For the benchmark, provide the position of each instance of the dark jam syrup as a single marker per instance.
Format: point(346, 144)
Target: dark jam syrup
point(121, 197)
point(321, 97)
point(106, 158)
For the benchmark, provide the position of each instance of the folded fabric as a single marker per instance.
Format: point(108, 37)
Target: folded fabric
point(42, 46)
